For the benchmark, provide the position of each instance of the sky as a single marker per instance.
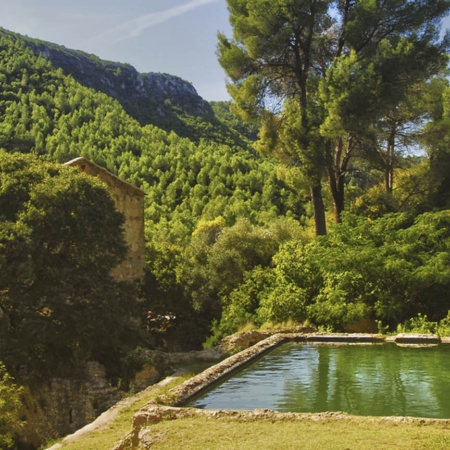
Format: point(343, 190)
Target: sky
point(178, 37)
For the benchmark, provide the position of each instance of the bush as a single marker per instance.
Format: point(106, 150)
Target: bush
point(9, 409)
point(389, 269)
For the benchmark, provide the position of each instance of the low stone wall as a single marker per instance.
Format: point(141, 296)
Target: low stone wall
point(195, 385)
point(245, 339)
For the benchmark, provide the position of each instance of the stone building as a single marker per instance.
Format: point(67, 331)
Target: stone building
point(130, 202)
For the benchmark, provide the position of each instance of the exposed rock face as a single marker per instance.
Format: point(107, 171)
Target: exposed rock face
point(165, 101)
point(245, 339)
point(144, 96)
point(62, 406)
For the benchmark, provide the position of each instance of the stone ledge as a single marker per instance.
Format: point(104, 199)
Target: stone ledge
point(214, 374)
point(345, 337)
point(406, 338)
point(143, 436)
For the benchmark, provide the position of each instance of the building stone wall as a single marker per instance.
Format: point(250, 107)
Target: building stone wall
point(129, 201)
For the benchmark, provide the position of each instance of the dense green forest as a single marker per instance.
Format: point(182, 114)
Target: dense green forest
point(192, 189)
point(233, 234)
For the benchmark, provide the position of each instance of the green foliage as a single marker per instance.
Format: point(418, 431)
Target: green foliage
point(241, 304)
point(318, 77)
point(185, 182)
point(437, 140)
point(259, 295)
point(223, 236)
point(421, 325)
point(217, 259)
point(60, 238)
point(418, 324)
point(157, 99)
point(444, 326)
point(224, 114)
point(57, 117)
point(390, 269)
point(10, 406)
point(386, 270)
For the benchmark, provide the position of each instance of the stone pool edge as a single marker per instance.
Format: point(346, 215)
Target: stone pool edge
point(169, 406)
point(199, 383)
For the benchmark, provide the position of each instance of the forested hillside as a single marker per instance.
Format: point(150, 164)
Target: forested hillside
point(163, 100)
point(230, 228)
point(47, 114)
point(193, 188)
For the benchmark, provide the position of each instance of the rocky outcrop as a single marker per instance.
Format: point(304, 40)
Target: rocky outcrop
point(165, 101)
point(142, 95)
point(122, 81)
point(159, 99)
point(245, 339)
point(63, 405)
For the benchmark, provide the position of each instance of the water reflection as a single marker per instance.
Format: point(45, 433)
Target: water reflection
point(378, 380)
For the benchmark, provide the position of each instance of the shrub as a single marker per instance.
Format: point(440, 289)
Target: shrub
point(9, 409)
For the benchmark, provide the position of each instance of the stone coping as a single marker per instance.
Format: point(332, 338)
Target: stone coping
point(195, 385)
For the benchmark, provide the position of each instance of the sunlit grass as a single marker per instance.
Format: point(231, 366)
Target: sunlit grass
point(276, 325)
point(225, 433)
point(248, 326)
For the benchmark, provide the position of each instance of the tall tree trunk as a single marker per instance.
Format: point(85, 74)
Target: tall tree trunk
point(390, 160)
point(337, 191)
point(336, 173)
point(319, 209)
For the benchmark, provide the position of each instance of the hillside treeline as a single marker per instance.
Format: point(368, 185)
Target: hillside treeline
point(189, 186)
point(230, 236)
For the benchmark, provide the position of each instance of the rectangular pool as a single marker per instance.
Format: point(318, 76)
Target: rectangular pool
point(367, 380)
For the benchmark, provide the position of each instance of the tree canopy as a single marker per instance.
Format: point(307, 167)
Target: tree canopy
point(319, 72)
point(229, 230)
point(60, 237)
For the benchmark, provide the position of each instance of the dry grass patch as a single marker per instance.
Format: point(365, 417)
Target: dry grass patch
point(212, 433)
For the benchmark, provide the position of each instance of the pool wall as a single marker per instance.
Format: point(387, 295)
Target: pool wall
point(169, 406)
point(198, 384)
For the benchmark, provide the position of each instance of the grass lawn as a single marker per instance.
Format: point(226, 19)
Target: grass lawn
point(227, 433)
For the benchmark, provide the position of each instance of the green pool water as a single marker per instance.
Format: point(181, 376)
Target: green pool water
point(367, 380)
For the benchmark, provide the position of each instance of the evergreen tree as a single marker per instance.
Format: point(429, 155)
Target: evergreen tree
point(326, 69)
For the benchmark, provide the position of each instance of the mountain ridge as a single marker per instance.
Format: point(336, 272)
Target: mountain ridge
point(164, 100)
